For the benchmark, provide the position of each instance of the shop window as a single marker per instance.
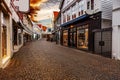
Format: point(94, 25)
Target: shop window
point(4, 41)
point(65, 38)
point(82, 37)
point(4, 34)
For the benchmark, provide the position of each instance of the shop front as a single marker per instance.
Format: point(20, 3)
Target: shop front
point(80, 32)
point(5, 35)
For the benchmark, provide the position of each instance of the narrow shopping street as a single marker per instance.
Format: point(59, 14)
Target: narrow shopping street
point(42, 60)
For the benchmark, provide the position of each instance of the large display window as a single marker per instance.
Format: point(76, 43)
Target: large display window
point(65, 37)
point(4, 35)
point(82, 37)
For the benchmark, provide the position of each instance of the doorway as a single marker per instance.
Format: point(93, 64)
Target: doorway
point(73, 37)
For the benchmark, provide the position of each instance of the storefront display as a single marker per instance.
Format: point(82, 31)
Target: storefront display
point(4, 35)
point(65, 37)
point(82, 37)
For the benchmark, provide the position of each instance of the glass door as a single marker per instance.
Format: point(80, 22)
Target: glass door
point(73, 37)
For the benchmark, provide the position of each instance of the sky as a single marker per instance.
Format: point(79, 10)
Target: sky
point(43, 9)
point(46, 22)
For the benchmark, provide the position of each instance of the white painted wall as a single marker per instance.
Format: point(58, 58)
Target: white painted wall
point(97, 5)
point(116, 17)
point(116, 4)
point(116, 30)
point(116, 42)
point(105, 6)
point(73, 9)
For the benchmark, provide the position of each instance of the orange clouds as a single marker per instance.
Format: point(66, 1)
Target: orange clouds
point(34, 7)
point(35, 4)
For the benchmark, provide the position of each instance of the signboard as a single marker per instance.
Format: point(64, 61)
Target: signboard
point(22, 5)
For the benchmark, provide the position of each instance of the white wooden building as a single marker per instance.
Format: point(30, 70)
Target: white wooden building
point(116, 30)
point(72, 11)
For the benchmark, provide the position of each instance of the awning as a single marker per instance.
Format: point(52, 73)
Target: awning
point(75, 20)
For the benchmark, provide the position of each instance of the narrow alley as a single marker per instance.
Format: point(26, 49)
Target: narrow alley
point(42, 60)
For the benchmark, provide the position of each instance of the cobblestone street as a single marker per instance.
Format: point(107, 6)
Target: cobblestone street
point(42, 60)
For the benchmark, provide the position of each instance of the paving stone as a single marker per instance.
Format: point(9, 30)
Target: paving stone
point(42, 60)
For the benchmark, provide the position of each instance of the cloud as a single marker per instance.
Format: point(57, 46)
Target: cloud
point(42, 8)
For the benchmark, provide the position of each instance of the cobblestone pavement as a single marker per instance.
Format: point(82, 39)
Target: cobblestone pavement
point(42, 60)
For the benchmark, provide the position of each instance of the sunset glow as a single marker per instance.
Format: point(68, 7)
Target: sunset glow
point(40, 8)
